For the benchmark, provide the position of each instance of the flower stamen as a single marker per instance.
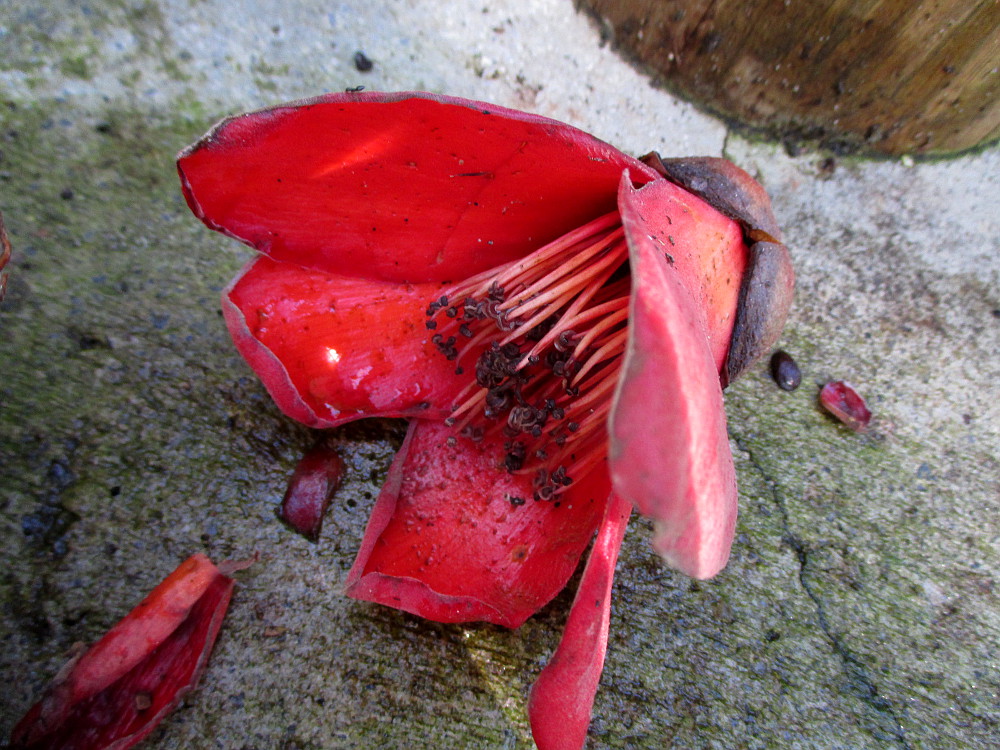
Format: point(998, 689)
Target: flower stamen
point(547, 333)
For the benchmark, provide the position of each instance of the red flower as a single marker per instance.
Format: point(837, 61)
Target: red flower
point(553, 316)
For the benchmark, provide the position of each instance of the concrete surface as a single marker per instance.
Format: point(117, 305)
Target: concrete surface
point(860, 608)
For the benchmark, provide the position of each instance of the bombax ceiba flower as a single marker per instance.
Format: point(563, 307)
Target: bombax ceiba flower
point(557, 319)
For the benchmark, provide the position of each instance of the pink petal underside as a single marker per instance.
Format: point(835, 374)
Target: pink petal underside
point(331, 349)
point(403, 187)
point(563, 696)
point(703, 247)
point(445, 542)
point(669, 451)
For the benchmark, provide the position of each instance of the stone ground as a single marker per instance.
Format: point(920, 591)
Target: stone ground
point(860, 608)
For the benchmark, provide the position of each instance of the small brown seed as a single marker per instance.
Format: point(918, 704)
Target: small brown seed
point(785, 371)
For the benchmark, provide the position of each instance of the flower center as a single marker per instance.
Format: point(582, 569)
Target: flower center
point(551, 330)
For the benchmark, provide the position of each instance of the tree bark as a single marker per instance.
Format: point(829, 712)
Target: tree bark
point(883, 76)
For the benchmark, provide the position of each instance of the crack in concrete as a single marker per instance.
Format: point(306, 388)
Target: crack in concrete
point(885, 720)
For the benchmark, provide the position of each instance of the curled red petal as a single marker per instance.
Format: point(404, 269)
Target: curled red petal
point(331, 349)
point(118, 691)
point(669, 451)
point(562, 698)
point(310, 490)
point(403, 187)
point(445, 541)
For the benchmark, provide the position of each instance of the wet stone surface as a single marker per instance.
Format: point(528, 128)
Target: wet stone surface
point(859, 609)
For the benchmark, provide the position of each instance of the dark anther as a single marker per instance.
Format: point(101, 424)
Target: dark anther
point(465, 331)
point(514, 460)
point(451, 312)
point(558, 476)
point(431, 324)
point(497, 399)
point(573, 426)
point(515, 500)
point(565, 341)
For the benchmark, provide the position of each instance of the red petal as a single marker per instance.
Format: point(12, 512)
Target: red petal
point(669, 451)
point(332, 349)
point(403, 187)
point(563, 696)
point(119, 690)
point(310, 490)
point(445, 542)
point(704, 248)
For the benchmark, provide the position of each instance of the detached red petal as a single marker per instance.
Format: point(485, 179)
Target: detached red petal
point(669, 451)
point(331, 349)
point(401, 187)
point(310, 490)
point(563, 696)
point(118, 691)
point(445, 541)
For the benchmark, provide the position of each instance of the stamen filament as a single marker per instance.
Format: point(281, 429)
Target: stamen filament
point(546, 334)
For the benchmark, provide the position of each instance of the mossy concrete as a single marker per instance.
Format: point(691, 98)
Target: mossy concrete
point(859, 609)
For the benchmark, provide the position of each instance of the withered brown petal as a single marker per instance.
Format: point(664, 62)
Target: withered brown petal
point(765, 297)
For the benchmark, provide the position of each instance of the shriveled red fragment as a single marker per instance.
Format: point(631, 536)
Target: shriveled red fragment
point(563, 696)
point(121, 688)
point(310, 490)
point(842, 401)
point(4, 257)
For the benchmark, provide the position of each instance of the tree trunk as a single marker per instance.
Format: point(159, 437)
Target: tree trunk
point(885, 76)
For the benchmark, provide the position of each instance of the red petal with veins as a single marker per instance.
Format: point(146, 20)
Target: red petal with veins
point(402, 187)
point(445, 542)
point(669, 451)
point(702, 246)
point(331, 349)
point(563, 696)
point(118, 691)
